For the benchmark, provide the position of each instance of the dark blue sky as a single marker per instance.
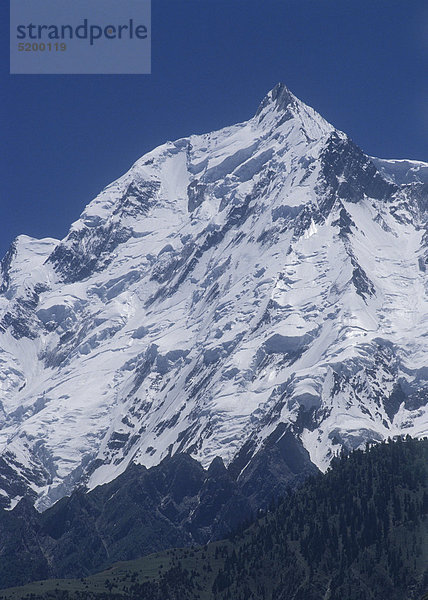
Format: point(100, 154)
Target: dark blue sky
point(362, 64)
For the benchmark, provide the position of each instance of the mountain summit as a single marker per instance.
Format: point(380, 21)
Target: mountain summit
point(264, 279)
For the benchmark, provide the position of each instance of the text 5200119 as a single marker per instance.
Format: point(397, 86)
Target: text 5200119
point(42, 47)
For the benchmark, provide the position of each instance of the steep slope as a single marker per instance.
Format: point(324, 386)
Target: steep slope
point(358, 532)
point(229, 287)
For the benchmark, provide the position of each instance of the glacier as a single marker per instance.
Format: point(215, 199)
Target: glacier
point(269, 273)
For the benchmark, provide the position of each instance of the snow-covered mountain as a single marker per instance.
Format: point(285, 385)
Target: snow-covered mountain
point(266, 273)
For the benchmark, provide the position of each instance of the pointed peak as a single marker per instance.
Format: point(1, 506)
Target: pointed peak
point(280, 97)
point(217, 467)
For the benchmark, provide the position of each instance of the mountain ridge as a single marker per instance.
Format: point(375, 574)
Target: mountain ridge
point(174, 504)
point(358, 532)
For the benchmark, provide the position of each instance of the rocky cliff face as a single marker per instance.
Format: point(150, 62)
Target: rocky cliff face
point(264, 279)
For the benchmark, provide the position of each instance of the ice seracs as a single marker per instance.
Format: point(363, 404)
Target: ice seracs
point(265, 274)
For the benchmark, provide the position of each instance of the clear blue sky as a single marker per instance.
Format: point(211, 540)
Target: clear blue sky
point(362, 64)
